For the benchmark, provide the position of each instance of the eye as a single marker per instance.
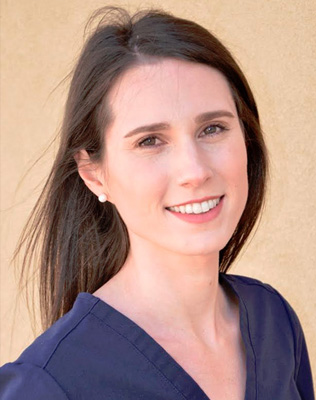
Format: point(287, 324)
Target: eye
point(213, 130)
point(149, 141)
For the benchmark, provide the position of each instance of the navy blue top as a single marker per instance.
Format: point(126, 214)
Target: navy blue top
point(95, 352)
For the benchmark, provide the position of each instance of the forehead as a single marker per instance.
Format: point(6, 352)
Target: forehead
point(168, 90)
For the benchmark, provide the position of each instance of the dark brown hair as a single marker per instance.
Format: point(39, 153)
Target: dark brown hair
point(82, 243)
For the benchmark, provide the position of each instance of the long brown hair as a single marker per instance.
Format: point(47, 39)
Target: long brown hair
point(81, 243)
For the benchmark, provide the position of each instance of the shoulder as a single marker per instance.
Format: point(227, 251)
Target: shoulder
point(248, 287)
point(263, 299)
point(247, 282)
point(66, 328)
point(274, 329)
point(270, 319)
point(29, 382)
point(31, 375)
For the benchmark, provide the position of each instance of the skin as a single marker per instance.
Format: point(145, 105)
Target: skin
point(169, 283)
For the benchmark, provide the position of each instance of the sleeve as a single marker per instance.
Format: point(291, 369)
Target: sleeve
point(28, 382)
point(303, 373)
point(304, 380)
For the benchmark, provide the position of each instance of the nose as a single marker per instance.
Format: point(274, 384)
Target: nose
point(193, 165)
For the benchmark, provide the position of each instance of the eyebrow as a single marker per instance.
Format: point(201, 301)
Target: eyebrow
point(160, 126)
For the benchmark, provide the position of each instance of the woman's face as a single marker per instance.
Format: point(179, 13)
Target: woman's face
point(175, 162)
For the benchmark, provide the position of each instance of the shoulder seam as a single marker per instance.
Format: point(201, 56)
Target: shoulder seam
point(61, 388)
point(67, 334)
point(45, 371)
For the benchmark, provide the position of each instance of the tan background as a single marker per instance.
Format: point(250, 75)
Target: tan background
point(273, 40)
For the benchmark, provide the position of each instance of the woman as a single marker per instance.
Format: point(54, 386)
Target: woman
point(162, 128)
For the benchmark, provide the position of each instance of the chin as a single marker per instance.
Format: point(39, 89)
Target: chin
point(201, 249)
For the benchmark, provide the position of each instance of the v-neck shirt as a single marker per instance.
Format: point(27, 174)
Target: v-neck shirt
point(95, 352)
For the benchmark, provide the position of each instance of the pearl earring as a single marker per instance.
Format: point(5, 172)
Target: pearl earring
point(102, 198)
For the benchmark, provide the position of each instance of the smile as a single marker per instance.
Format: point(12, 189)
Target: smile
point(196, 208)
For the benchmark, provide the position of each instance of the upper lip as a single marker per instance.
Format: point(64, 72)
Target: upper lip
point(196, 201)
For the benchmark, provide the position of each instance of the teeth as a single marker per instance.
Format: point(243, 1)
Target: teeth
point(182, 209)
point(188, 209)
point(205, 206)
point(196, 208)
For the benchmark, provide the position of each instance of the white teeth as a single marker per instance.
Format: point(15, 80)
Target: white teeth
point(188, 209)
point(196, 208)
point(205, 206)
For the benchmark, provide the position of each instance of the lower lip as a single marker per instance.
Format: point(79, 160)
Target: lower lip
point(200, 218)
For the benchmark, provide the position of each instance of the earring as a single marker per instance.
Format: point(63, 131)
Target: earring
point(102, 198)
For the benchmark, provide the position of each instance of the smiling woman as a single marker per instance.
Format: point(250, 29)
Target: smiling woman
point(172, 160)
point(161, 127)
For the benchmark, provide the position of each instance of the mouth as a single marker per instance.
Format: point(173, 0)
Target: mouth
point(196, 207)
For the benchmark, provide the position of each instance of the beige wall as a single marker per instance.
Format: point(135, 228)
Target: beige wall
point(272, 40)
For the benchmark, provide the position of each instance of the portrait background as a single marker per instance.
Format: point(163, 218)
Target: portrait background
point(273, 41)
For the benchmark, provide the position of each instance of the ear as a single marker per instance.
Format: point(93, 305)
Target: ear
point(90, 172)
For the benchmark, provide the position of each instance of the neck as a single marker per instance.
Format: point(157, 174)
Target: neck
point(179, 293)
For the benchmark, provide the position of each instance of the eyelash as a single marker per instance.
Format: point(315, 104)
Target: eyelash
point(141, 143)
point(219, 127)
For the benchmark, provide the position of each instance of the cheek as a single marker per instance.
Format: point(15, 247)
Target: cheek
point(238, 167)
point(233, 166)
point(239, 173)
point(136, 183)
